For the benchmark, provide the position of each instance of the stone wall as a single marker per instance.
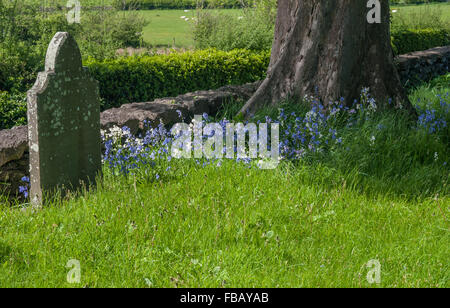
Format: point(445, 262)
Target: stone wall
point(14, 142)
point(423, 65)
point(13, 158)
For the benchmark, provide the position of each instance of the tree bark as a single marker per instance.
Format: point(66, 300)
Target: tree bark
point(328, 49)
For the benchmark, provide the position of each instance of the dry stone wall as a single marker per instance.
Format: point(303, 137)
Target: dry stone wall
point(423, 65)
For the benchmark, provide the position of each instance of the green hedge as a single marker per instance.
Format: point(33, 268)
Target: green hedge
point(144, 78)
point(405, 41)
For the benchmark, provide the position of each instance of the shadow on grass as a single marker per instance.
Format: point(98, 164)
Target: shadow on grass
point(5, 252)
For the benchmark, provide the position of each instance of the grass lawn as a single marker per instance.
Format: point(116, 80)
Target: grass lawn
point(229, 227)
point(166, 28)
point(408, 9)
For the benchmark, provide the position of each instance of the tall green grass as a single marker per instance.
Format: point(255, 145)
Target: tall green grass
point(296, 226)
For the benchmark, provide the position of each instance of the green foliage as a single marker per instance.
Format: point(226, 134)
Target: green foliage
point(23, 43)
point(252, 30)
point(421, 17)
point(144, 78)
point(441, 82)
point(405, 41)
point(13, 110)
point(432, 96)
point(105, 31)
point(27, 31)
point(387, 147)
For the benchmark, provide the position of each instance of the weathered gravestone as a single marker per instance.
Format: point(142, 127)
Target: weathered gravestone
point(63, 122)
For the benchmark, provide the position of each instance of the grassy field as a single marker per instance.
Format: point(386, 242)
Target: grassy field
point(407, 9)
point(229, 227)
point(304, 224)
point(166, 28)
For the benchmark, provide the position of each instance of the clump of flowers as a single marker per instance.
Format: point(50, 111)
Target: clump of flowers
point(23, 190)
point(305, 134)
point(433, 118)
point(125, 152)
point(431, 122)
point(367, 101)
point(315, 132)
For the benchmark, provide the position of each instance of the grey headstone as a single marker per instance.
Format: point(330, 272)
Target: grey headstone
point(63, 122)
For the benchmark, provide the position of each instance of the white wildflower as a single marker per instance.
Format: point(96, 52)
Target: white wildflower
point(372, 105)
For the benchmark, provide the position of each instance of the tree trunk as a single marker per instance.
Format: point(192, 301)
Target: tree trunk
point(328, 49)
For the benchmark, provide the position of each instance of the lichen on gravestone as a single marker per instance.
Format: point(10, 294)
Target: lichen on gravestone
point(63, 122)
